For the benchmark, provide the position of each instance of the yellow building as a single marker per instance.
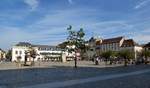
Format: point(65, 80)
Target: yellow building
point(2, 54)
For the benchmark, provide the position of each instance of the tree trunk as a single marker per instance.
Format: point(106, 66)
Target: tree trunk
point(125, 62)
point(25, 62)
point(75, 62)
point(146, 61)
point(106, 61)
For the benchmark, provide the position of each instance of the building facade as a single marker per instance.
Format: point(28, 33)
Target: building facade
point(117, 44)
point(147, 46)
point(43, 52)
point(112, 44)
point(48, 53)
point(90, 47)
point(131, 45)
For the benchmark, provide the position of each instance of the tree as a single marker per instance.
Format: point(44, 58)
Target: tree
point(9, 55)
point(26, 56)
point(33, 54)
point(109, 56)
point(63, 45)
point(145, 54)
point(126, 55)
point(76, 38)
point(113, 56)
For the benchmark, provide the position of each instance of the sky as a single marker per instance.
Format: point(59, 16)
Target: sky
point(46, 21)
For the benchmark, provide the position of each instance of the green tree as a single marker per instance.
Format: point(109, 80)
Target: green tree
point(145, 54)
point(63, 45)
point(26, 56)
point(126, 55)
point(33, 54)
point(76, 38)
point(109, 56)
point(113, 56)
point(9, 55)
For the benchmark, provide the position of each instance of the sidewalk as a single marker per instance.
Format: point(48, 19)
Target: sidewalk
point(12, 65)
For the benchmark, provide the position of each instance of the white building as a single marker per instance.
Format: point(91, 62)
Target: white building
point(44, 52)
point(117, 44)
point(70, 55)
point(48, 53)
point(18, 51)
point(131, 45)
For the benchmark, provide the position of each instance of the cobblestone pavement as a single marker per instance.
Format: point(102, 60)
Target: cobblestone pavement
point(82, 82)
point(136, 81)
point(16, 78)
point(10, 65)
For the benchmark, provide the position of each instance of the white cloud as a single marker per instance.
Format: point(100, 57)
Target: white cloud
point(142, 38)
point(62, 18)
point(58, 21)
point(51, 29)
point(33, 4)
point(111, 28)
point(13, 35)
point(141, 4)
point(70, 1)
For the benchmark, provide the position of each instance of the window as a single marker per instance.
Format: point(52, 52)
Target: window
point(91, 49)
point(20, 52)
point(16, 52)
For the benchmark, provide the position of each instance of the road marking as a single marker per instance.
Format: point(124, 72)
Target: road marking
point(87, 80)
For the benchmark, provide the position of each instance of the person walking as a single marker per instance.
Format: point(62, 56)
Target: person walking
point(97, 61)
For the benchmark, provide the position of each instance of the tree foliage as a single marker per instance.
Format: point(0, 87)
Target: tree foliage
point(63, 45)
point(126, 55)
point(145, 53)
point(109, 55)
point(33, 53)
point(9, 55)
point(76, 38)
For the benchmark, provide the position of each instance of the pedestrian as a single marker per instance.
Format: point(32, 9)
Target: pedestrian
point(97, 61)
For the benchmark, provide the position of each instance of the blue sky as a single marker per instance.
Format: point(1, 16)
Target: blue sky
point(45, 21)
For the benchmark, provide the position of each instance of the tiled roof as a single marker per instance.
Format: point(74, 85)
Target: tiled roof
point(98, 42)
point(112, 40)
point(2, 50)
point(26, 44)
point(47, 46)
point(92, 39)
point(44, 46)
point(129, 43)
point(147, 45)
point(23, 44)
